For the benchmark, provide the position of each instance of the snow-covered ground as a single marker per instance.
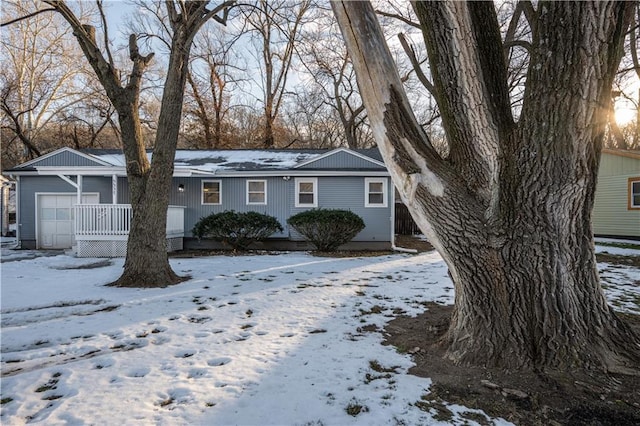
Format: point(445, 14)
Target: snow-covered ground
point(8, 242)
point(271, 339)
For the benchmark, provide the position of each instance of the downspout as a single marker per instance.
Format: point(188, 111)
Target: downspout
point(114, 189)
point(79, 189)
point(393, 225)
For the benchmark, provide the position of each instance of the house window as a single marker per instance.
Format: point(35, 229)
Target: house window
point(211, 192)
point(375, 192)
point(306, 192)
point(256, 192)
point(634, 193)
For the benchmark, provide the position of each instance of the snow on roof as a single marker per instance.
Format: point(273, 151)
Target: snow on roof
point(211, 161)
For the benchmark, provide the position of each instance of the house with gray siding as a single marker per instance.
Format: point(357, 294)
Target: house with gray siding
point(80, 199)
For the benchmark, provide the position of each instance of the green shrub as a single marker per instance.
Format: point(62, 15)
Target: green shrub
point(237, 229)
point(327, 229)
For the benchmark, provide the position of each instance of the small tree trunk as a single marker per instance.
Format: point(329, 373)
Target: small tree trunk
point(269, 140)
point(217, 130)
point(147, 263)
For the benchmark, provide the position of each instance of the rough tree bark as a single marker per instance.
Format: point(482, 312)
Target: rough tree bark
point(509, 209)
point(147, 263)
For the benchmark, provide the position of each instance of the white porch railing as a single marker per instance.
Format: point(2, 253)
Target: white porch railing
point(115, 219)
point(102, 219)
point(101, 230)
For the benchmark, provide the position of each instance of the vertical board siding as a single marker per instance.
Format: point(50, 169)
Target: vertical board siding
point(30, 185)
point(341, 161)
point(404, 223)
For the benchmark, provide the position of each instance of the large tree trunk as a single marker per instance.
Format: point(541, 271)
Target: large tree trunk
point(510, 209)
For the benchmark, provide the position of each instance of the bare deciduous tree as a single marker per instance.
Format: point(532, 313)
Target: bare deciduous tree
point(147, 264)
point(626, 135)
point(509, 208)
point(213, 77)
point(274, 28)
point(40, 77)
point(326, 60)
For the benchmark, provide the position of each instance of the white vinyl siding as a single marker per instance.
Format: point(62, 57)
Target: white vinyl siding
point(613, 214)
point(257, 192)
point(306, 192)
point(211, 192)
point(375, 192)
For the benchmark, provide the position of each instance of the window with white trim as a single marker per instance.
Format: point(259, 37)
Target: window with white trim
point(306, 192)
point(256, 192)
point(211, 192)
point(634, 193)
point(375, 192)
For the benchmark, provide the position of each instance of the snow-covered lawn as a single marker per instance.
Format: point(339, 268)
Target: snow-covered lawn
point(271, 339)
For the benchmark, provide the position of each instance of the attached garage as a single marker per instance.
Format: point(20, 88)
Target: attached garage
point(55, 219)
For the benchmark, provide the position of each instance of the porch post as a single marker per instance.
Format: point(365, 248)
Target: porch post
point(114, 189)
point(79, 190)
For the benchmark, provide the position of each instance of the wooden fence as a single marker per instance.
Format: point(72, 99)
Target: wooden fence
point(404, 224)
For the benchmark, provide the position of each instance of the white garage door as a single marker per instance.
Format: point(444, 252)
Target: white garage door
point(55, 219)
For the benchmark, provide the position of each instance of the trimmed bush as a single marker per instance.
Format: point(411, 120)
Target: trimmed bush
point(238, 230)
point(327, 229)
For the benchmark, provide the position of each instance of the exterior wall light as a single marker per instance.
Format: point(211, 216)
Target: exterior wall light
point(181, 187)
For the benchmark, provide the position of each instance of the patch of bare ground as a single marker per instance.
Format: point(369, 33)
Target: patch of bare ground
point(524, 398)
point(618, 259)
point(413, 242)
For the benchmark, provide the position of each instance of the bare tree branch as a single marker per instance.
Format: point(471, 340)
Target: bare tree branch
point(30, 15)
point(399, 17)
point(411, 54)
point(106, 32)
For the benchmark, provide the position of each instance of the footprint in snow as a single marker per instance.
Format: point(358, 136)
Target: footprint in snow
point(197, 373)
point(138, 372)
point(185, 353)
point(287, 334)
point(129, 344)
point(195, 319)
point(217, 362)
point(104, 362)
point(261, 333)
point(161, 340)
point(242, 336)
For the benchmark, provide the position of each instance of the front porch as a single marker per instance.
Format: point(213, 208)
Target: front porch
point(102, 230)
